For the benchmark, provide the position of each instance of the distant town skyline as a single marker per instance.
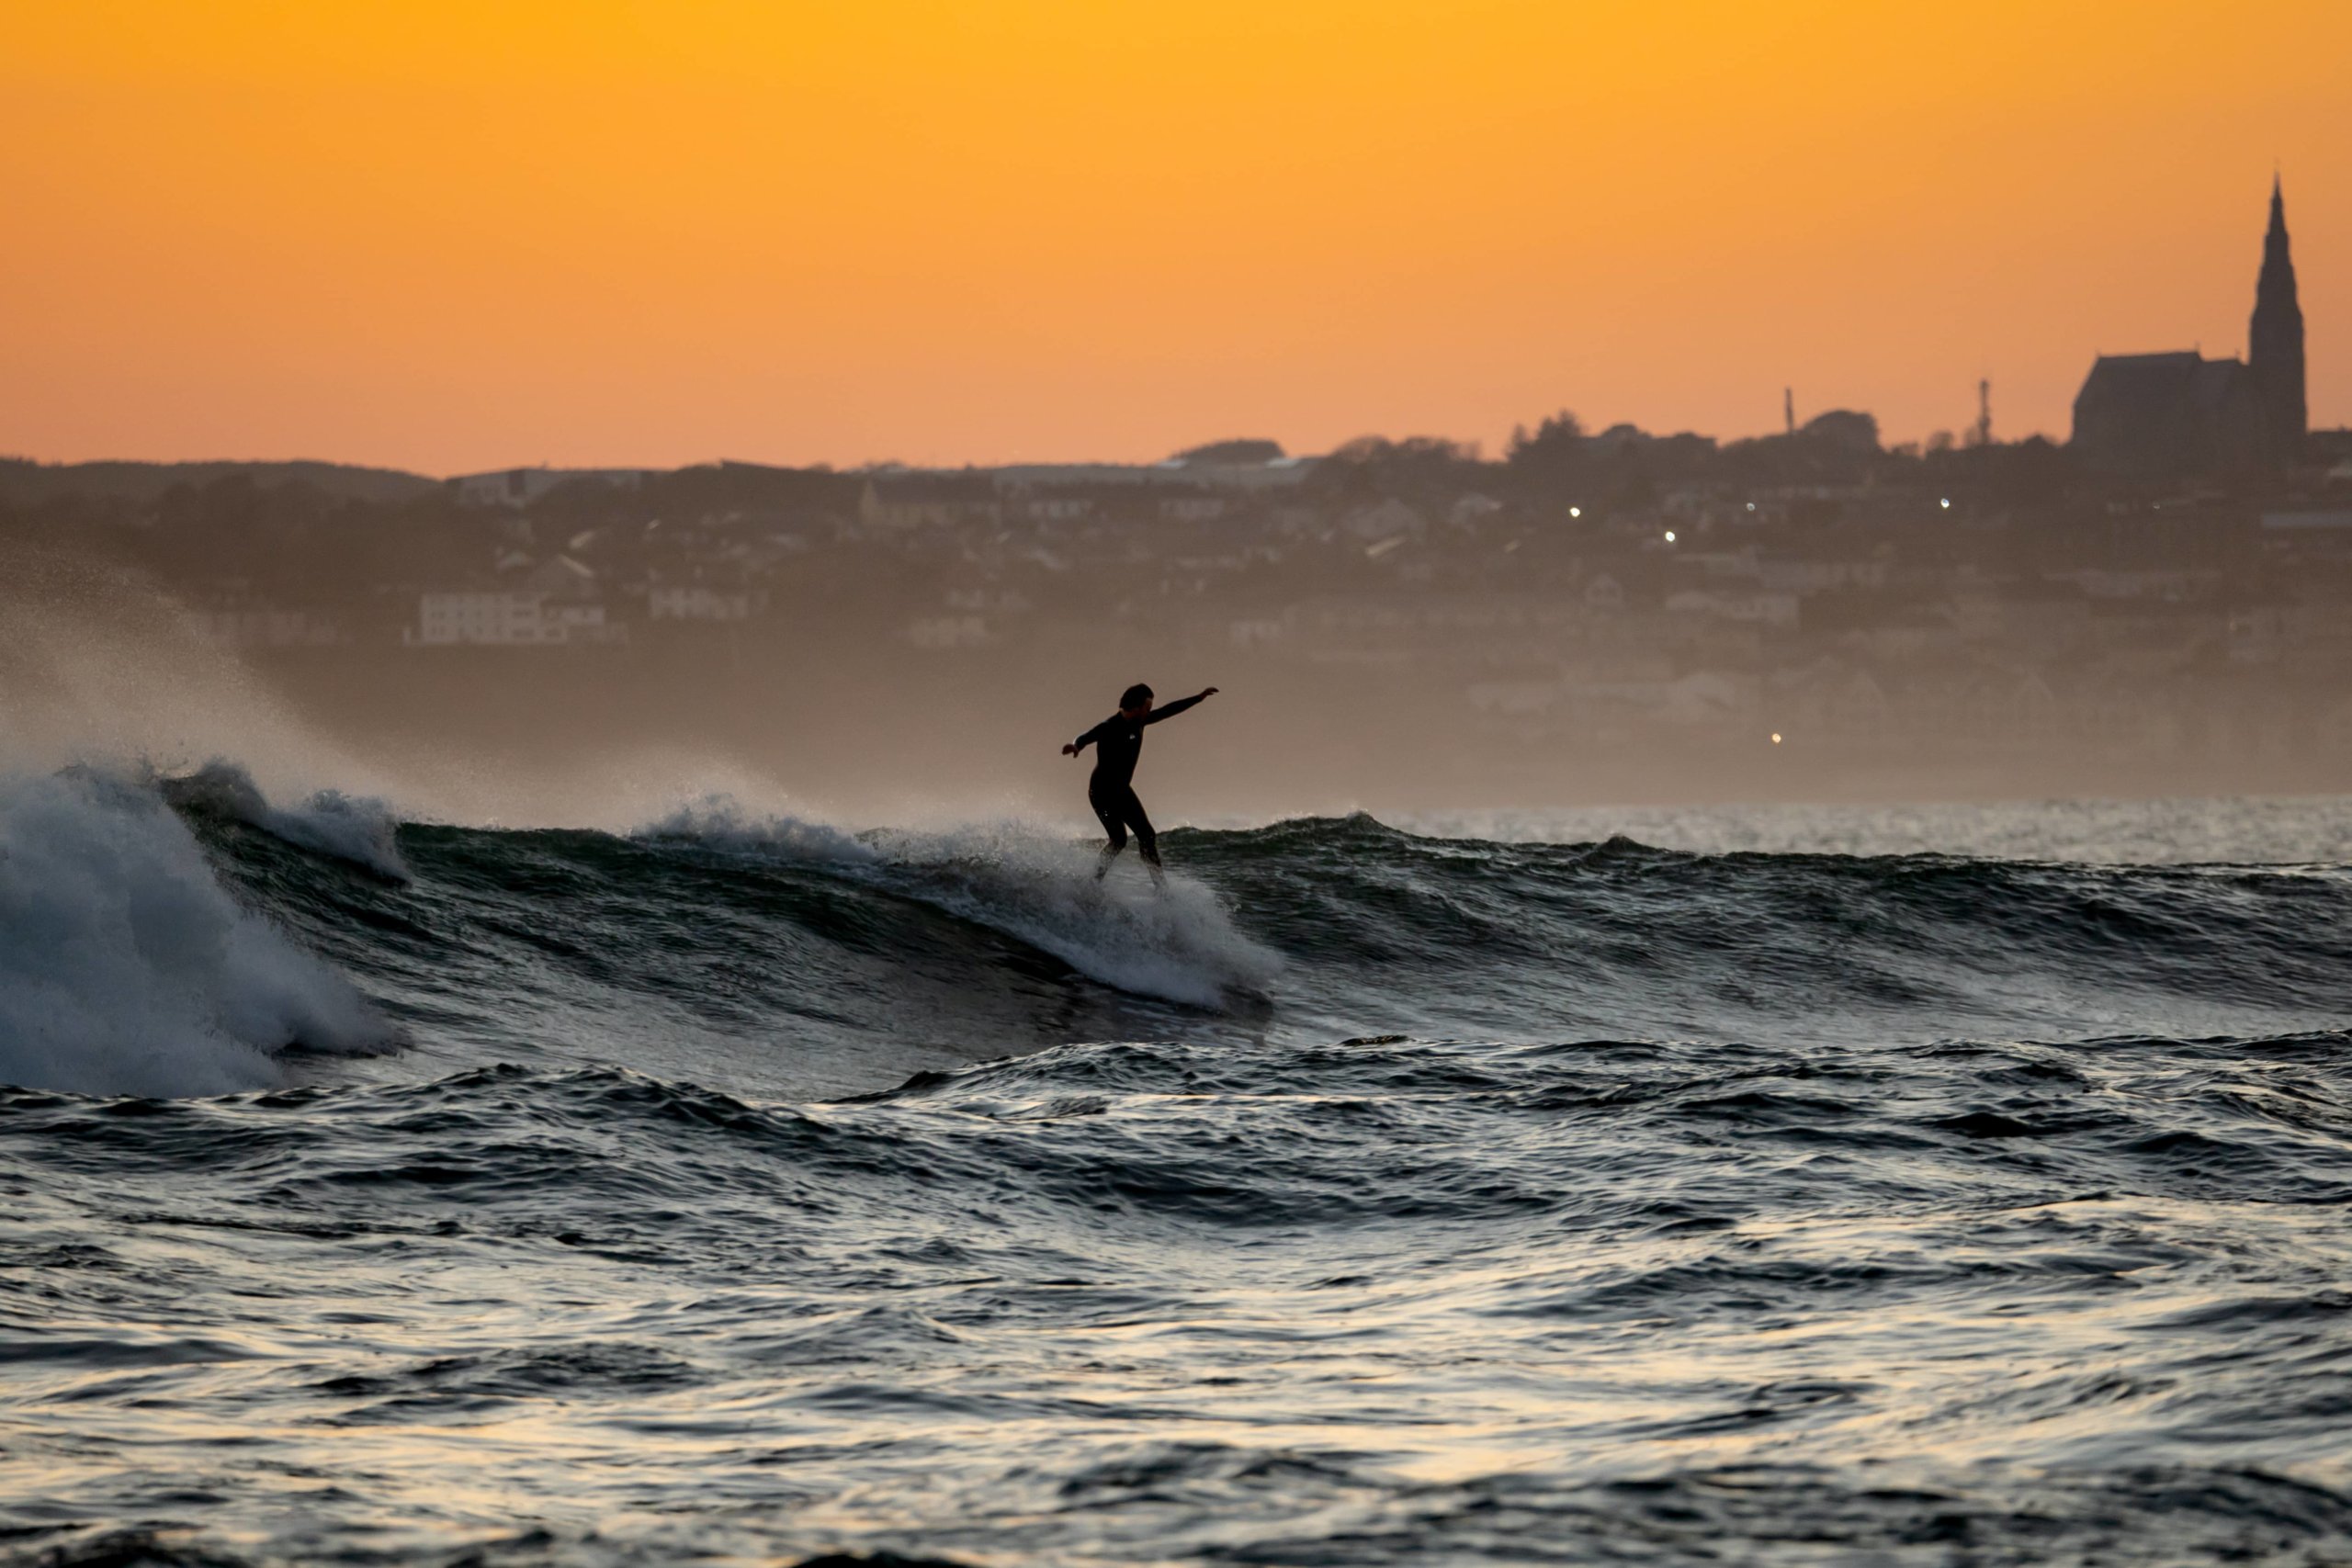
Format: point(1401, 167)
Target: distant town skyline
point(452, 240)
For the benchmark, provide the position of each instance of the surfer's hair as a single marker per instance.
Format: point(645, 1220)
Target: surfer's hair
point(1135, 696)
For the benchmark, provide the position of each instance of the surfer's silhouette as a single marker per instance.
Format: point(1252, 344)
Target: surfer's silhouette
point(1117, 742)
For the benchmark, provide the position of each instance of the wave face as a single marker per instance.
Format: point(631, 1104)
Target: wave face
point(751, 1188)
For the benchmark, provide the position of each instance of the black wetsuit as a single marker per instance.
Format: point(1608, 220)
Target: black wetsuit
point(1117, 742)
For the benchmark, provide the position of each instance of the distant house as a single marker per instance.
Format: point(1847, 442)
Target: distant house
point(1991, 705)
point(1705, 696)
point(556, 605)
point(1051, 508)
point(2024, 706)
point(698, 602)
point(1191, 508)
point(1834, 700)
point(1391, 519)
point(520, 487)
point(1470, 508)
point(1786, 576)
point(509, 620)
point(906, 502)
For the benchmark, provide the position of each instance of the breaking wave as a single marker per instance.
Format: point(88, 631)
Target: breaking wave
point(128, 967)
point(748, 1187)
point(1176, 941)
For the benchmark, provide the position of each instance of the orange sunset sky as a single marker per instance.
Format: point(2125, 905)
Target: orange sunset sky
point(455, 236)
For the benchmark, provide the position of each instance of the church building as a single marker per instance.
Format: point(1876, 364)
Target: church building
point(2166, 417)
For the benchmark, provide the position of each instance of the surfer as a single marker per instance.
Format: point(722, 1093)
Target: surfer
point(1117, 742)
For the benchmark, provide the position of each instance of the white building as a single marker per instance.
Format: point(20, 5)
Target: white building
point(693, 601)
point(479, 619)
point(555, 606)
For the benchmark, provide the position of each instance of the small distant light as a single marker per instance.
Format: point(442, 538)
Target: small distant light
point(1751, 506)
point(1669, 536)
point(1945, 503)
point(1776, 738)
point(1576, 510)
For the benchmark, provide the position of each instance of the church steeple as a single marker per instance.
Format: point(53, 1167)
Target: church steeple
point(2274, 342)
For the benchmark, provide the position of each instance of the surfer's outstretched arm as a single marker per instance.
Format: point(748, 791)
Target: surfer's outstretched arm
point(1179, 705)
point(1083, 741)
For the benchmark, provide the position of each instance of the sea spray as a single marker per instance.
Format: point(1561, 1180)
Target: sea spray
point(126, 967)
point(351, 828)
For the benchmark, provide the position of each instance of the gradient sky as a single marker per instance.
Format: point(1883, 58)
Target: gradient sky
point(457, 236)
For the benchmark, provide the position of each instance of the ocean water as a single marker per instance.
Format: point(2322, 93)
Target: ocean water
point(1862, 1186)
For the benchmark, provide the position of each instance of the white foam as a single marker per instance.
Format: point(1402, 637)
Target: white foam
point(717, 821)
point(359, 829)
point(126, 968)
point(1177, 942)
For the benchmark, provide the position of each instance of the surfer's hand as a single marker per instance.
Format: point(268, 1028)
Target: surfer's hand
point(1210, 693)
point(1068, 750)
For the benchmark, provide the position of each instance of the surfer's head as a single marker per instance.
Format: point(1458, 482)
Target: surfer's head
point(1136, 701)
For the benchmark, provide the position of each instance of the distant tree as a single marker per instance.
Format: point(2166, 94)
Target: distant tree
point(1367, 449)
point(1561, 432)
point(1426, 470)
point(2035, 471)
point(1552, 464)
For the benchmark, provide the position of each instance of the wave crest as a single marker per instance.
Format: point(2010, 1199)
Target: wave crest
point(1175, 942)
point(349, 828)
point(126, 967)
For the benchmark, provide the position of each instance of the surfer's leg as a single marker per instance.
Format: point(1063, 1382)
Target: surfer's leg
point(1108, 815)
point(1147, 841)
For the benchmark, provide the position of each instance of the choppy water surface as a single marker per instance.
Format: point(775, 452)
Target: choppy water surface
point(748, 1190)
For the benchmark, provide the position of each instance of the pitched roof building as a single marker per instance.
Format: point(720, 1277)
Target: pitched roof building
point(2275, 340)
point(2166, 417)
point(2163, 417)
